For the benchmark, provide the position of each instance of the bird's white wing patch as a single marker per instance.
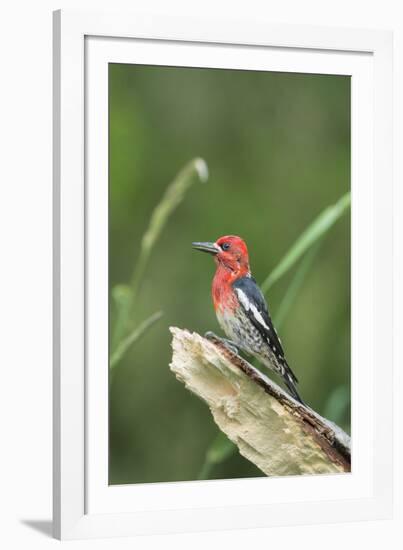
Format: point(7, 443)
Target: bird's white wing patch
point(248, 305)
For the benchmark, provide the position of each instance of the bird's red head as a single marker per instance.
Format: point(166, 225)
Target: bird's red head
point(230, 253)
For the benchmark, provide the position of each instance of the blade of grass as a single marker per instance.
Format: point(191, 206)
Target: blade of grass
point(326, 219)
point(221, 449)
point(195, 170)
point(295, 285)
point(121, 296)
point(337, 404)
point(127, 342)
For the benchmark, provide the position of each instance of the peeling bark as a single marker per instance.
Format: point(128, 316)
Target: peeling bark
point(278, 434)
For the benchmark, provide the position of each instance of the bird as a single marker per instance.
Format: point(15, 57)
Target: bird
point(241, 308)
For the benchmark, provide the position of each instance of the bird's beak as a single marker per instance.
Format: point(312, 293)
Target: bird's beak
point(211, 248)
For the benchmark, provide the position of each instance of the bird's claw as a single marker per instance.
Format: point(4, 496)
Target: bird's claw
point(231, 346)
point(227, 343)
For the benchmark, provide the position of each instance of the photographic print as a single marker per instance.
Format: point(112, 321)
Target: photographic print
point(229, 274)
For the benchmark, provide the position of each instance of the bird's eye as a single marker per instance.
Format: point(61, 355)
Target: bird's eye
point(225, 246)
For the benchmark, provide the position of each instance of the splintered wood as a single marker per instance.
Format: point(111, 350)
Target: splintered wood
point(272, 430)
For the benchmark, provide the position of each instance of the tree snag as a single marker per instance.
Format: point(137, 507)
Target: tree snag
point(278, 434)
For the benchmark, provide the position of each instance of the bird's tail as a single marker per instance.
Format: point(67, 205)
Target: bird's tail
point(290, 381)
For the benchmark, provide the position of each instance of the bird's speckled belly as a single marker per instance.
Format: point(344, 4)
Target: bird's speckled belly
point(239, 329)
point(246, 337)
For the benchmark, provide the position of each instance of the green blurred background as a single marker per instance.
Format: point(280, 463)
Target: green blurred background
point(277, 147)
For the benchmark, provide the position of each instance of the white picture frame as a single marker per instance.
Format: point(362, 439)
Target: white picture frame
point(84, 505)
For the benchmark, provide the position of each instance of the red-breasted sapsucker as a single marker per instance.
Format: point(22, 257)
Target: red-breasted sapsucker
point(241, 308)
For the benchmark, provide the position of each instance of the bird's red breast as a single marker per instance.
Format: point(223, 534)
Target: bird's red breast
point(232, 263)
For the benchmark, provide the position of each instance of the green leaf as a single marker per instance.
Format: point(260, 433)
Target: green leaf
point(220, 449)
point(121, 297)
point(313, 233)
point(127, 342)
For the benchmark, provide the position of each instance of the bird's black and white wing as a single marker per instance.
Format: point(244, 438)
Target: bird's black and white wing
point(254, 305)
